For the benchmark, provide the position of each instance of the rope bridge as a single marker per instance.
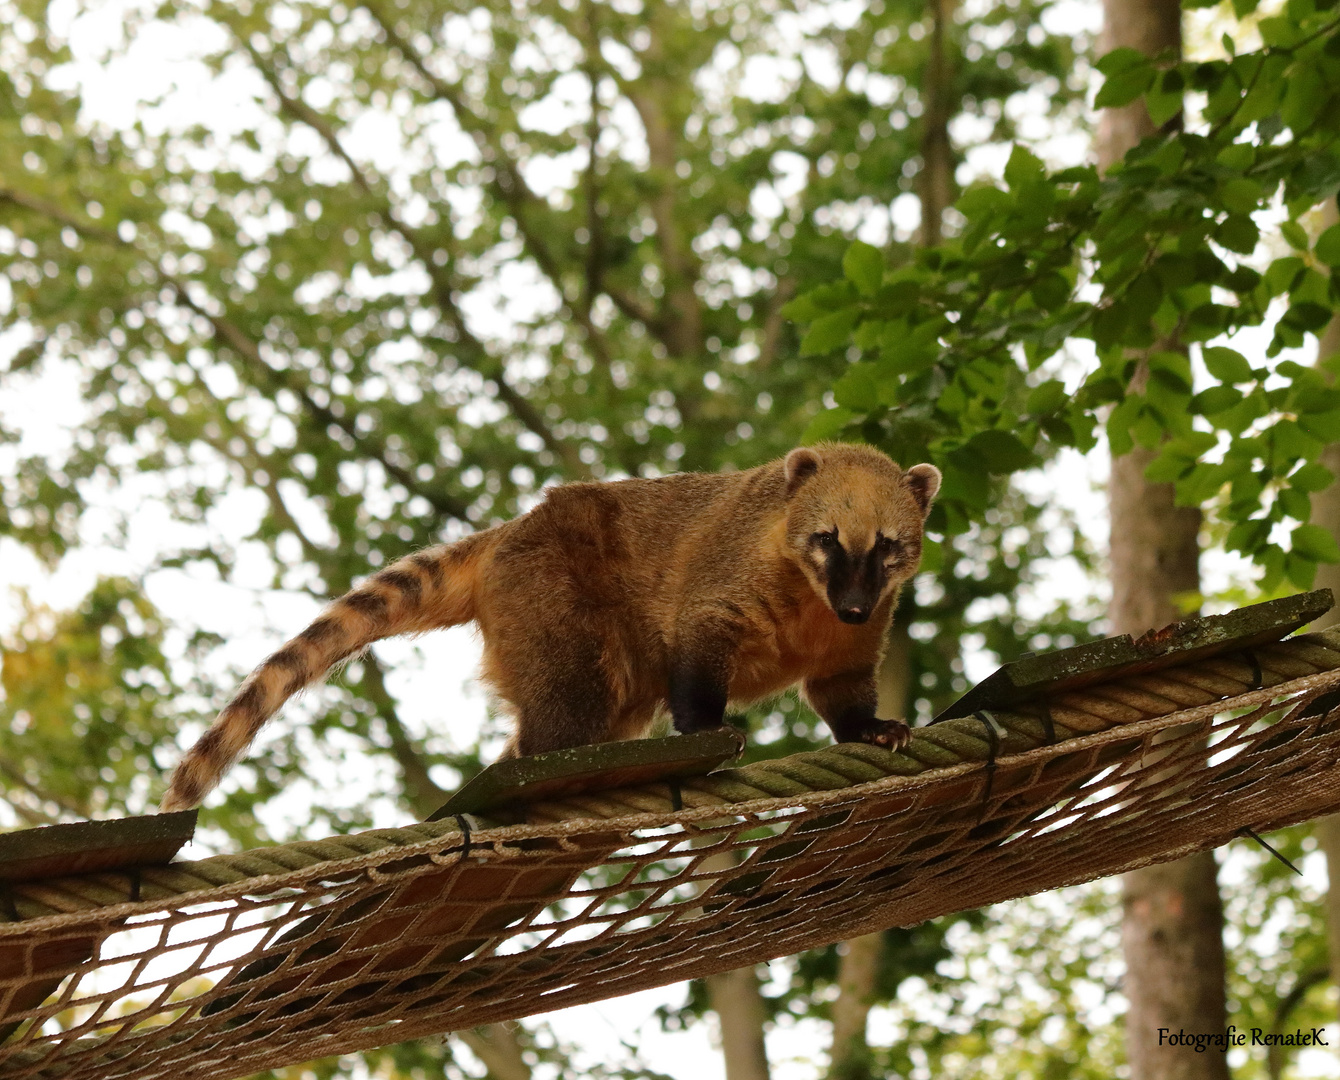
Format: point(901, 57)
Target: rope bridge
point(225, 966)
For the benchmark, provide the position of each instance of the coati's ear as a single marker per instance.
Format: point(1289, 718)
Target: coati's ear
point(924, 482)
point(801, 464)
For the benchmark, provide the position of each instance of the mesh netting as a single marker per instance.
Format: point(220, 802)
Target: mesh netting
point(223, 967)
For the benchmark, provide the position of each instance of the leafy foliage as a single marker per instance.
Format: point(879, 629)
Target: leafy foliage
point(1150, 263)
point(89, 698)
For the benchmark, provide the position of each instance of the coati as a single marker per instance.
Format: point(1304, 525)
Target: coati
point(610, 601)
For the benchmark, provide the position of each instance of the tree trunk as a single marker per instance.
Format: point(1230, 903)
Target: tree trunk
point(738, 1004)
point(1153, 27)
point(497, 1047)
point(849, 1056)
point(1173, 940)
point(1326, 513)
point(935, 184)
point(1327, 831)
point(1172, 928)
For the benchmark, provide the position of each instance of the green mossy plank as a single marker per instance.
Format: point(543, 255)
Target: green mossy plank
point(584, 769)
point(82, 847)
point(1116, 657)
point(90, 847)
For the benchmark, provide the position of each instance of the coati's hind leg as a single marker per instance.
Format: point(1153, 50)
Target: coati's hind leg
point(847, 704)
point(558, 691)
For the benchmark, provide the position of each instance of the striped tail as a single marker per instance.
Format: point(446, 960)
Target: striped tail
point(428, 590)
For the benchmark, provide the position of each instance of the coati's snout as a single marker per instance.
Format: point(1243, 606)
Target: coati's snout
point(854, 524)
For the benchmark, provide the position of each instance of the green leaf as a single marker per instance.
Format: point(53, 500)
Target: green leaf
point(1295, 504)
point(1312, 477)
point(1323, 426)
point(870, 333)
point(1202, 483)
point(1308, 316)
point(829, 332)
point(967, 484)
point(1301, 572)
point(1248, 536)
point(1215, 400)
point(1289, 443)
point(1282, 273)
point(827, 425)
point(1228, 365)
point(1173, 364)
point(1119, 60)
point(1240, 195)
point(1022, 168)
point(1050, 291)
point(802, 309)
point(1045, 399)
point(863, 266)
point(1163, 105)
point(1236, 156)
point(1295, 234)
point(1002, 451)
point(1315, 543)
point(1125, 86)
point(1266, 89)
point(1279, 32)
point(981, 201)
point(1328, 246)
point(1239, 233)
point(1271, 557)
point(1119, 424)
point(1305, 98)
point(1167, 467)
point(857, 389)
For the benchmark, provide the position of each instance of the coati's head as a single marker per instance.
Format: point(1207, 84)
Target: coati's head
point(854, 522)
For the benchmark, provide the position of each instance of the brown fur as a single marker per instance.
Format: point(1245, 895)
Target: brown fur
point(608, 602)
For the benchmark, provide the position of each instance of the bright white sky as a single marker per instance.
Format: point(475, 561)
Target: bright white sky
point(432, 677)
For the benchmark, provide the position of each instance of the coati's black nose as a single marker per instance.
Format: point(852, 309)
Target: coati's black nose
point(853, 614)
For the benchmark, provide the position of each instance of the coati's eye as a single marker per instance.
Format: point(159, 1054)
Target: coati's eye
point(826, 541)
point(888, 547)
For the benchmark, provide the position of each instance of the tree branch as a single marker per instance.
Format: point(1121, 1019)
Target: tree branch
point(422, 794)
point(773, 322)
point(443, 290)
point(247, 349)
point(508, 183)
point(29, 814)
point(497, 1047)
point(234, 337)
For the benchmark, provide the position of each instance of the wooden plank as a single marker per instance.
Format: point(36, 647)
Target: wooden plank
point(30, 973)
point(500, 789)
point(90, 847)
point(1116, 657)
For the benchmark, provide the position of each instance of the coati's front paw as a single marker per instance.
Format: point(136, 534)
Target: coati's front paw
point(736, 734)
point(890, 734)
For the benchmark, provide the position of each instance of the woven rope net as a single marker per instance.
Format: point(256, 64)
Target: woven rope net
point(226, 966)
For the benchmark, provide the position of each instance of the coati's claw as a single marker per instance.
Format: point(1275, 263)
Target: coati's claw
point(890, 734)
